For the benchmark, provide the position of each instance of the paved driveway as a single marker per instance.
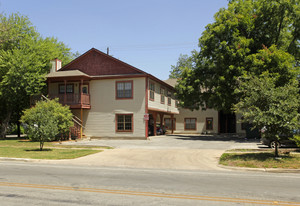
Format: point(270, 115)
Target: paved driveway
point(164, 152)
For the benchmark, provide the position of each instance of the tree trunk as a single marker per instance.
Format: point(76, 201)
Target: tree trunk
point(4, 126)
point(276, 149)
point(19, 128)
point(41, 145)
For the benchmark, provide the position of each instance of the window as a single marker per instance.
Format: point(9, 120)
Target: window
point(168, 123)
point(61, 89)
point(169, 94)
point(124, 90)
point(176, 103)
point(70, 88)
point(209, 123)
point(124, 122)
point(85, 89)
point(190, 123)
point(152, 90)
point(162, 95)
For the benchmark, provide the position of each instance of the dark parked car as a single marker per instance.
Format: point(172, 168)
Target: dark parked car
point(285, 139)
point(282, 142)
point(160, 130)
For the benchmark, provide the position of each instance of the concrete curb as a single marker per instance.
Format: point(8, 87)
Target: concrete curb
point(273, 170)
point(18, 159)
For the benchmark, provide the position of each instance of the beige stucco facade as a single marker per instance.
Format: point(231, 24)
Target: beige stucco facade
point(100, 120)
point(200, 116)
point(155, 103)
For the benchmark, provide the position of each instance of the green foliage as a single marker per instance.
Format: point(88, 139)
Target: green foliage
point(184, 62)
point(13, 129)
point(249, 37)
point(296, 138)
point(269, 106)
point(62, 114)
point(24, 61)
point(46, 120)
point(260, 160)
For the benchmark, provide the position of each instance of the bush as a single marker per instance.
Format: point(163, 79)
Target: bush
point(296, 138)
point(46, 120)
point(13, 129)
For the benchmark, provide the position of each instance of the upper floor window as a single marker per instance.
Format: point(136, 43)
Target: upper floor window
point(152, 90)
point(162, 95)
point(70, 88)
point(169, 94)
point(124, 89)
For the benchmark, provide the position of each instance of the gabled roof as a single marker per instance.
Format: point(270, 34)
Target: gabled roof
point(97, 63)
point(171, 82)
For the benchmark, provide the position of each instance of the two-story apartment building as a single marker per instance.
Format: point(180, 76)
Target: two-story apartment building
point(113, 99)
point(116, 100)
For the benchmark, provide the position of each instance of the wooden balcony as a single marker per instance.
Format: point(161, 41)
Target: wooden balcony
point(75, 101)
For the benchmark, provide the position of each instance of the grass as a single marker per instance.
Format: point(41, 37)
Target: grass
point(260, 160)
point(51, 150)
point(28, 143)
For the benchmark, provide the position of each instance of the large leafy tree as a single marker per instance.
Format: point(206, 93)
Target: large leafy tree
point(269, 106)
point(24, 60)
point(237, 44)
point(184, 62)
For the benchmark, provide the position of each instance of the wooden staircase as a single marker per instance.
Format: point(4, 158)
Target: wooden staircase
point(75, 131)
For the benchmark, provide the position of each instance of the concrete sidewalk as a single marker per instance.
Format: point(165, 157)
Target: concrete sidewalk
point(189, 159)
point(186, 152)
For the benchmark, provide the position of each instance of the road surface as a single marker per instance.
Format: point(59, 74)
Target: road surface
point(50, 184)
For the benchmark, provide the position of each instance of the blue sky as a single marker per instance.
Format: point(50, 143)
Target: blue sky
point(149, 35)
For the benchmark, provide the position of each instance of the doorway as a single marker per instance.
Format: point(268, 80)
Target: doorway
point(227, 122)
point(85, 89)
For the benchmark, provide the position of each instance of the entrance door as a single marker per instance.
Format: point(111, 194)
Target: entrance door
point(227, 122)
point(85, 89)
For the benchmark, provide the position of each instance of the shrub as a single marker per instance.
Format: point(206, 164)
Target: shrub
point(46, 120)
point(296, 138)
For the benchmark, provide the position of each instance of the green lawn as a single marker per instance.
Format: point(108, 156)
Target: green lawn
point(28, 149)
point(260, 160)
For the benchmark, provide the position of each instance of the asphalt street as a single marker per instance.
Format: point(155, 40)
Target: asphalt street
point(50, 184)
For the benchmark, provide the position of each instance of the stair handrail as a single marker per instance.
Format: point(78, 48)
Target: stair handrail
point(73, 117)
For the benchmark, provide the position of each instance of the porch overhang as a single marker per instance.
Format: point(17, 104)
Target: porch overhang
point(162, 111)
point(68, 75)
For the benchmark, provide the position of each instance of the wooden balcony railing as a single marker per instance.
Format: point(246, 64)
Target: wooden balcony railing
point(73, 100)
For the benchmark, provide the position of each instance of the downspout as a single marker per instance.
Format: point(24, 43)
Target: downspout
point(81, 110)
point(146, 107)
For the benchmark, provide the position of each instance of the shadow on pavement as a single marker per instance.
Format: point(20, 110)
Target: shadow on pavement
point(224, 138)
